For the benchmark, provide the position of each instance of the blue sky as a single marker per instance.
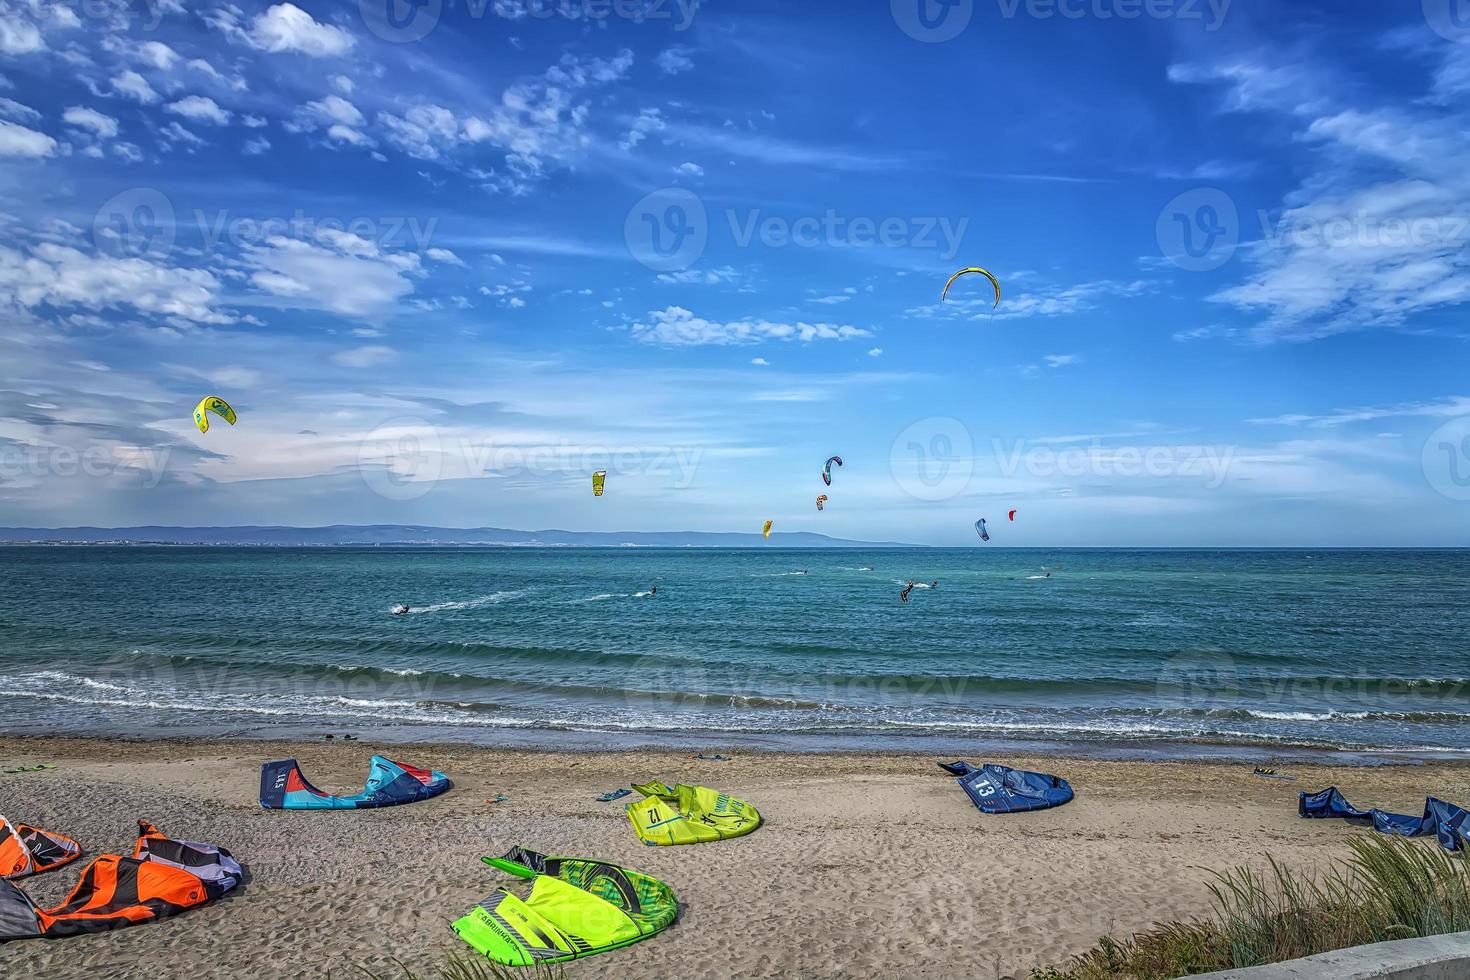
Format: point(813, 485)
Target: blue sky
point(447, 259)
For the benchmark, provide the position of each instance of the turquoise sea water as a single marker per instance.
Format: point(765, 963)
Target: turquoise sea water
point(1366, 650)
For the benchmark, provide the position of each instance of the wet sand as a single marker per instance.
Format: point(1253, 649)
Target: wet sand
point(867, 866)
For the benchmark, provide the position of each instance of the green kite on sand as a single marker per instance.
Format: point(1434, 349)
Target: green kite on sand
point(576, 907)
point(689, 815)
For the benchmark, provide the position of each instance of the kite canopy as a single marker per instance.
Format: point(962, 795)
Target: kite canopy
point(821, 500)
point(1001, 789)
point(981, 530)
point(599, 480)
point(827, 469)
point(1013, 515)
point(1447, 822)
point(576, 907)
point(689, 815)
point(283, 787)
point(994, 282)
point(215, 404)
point(27, 850)
point(766, 530)
point(162, 878)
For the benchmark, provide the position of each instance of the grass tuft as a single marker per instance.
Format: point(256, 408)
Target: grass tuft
point(1390, 888)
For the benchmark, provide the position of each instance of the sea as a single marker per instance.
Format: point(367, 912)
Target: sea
point(1352, 654)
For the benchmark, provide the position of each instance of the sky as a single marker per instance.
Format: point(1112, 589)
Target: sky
point(446, 258)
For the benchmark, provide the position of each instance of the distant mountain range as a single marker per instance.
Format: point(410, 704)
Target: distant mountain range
point(367, 535)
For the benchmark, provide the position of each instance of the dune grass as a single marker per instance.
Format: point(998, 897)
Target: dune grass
point(1390, 888)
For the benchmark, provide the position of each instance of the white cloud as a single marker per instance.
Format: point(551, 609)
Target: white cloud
point(18, 141)
point(59, 275)
point(339, 272)
point(674, 60)
point(19, 35)
point(342, 84)
point(760, 362)
point(444, 255)
point(689, 170)
point(129, 83)
point(335, 109)
point(100, 125)
point(1452, 407)
point(876, 352)
point(364, 357)
point(128, 152)
point(255, 147)
point(285, 27)
point(1061, 360)
point(199, 108)
point(708, 277)
point(173, 133)
point(11, 109)
point(647, 121)
point(676, 326)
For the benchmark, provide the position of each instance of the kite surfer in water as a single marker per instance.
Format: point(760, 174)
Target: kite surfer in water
point(401, 609)
point(904, 595)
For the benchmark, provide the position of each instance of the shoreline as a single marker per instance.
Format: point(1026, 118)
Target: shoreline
point(865, 864)
point(797, 744)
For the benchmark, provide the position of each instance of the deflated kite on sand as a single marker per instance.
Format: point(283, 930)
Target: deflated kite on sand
point(27, 850)
point(1447, 822)
point(389, 783)
point(689, 815)
point(162, 878)
point(576, 907)
point(1001, 789)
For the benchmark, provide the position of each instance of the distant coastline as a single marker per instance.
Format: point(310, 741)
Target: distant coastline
point(412, 535)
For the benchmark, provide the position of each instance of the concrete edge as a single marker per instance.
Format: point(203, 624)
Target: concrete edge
point(1431, 958)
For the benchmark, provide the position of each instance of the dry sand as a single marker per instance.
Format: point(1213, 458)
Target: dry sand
point(866, 866)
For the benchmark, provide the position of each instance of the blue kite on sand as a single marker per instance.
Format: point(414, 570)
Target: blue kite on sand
point(1001, 789)
point(389, 783)
point(1444, 820)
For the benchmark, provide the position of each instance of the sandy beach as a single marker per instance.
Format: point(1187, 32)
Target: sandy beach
point(865, 864)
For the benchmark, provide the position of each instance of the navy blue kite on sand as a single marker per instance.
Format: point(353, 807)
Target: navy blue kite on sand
point(283, 787)
point(1444, 820)
point(1001, 789)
